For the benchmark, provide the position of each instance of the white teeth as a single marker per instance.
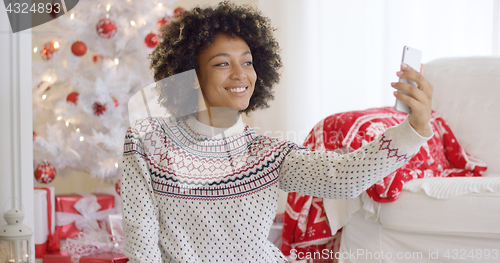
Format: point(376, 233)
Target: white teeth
point(237, 90)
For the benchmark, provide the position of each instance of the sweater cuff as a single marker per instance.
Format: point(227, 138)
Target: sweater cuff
point(407, 138)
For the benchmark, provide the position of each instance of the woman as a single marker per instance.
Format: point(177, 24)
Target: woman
point(203, 187)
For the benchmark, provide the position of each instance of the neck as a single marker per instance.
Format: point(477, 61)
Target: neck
point(219, 117)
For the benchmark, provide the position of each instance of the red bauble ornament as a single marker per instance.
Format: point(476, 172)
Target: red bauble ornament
point(163, 21)
point(106, 28)
point(48, 51)
point(151, 40)
point(99, 108)
point(79, 48)
point(179, 11)
point(98, 57)
point(118, 187)
point(45, 173)
point(72, 97)
point(116, 102)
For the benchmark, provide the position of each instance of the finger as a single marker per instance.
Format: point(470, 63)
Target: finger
point(410, 74)
point(415, 98)
point(420, 113)
point(415, 105)
point(413, 91)
point(410, 101)
point(422, 69)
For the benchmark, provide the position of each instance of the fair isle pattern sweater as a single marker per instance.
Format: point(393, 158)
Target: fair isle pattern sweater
point(195, 193)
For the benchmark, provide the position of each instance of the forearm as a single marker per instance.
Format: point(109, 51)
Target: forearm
point(334, 176)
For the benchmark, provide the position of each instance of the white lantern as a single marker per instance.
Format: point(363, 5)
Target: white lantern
point(16, 236)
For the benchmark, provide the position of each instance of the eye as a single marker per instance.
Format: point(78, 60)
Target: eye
point(223, 64)
point(248, 63)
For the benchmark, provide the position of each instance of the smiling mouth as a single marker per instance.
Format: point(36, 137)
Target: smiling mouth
point(237, 90)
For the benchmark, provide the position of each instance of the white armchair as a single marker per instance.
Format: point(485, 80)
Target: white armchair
point(443, 219)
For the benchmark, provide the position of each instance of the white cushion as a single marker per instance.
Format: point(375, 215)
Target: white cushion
point(473, 214)
point(366, 241)
point(467, 95)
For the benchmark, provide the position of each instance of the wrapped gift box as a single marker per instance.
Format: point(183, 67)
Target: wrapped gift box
point(81, 212)
point(63, 257)
point(44, 209)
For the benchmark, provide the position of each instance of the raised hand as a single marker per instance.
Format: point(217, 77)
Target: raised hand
point(419, 98)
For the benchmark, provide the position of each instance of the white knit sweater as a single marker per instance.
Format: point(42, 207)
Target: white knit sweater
point(194, 193)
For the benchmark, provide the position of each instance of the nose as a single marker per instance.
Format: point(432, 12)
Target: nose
point(238, 73)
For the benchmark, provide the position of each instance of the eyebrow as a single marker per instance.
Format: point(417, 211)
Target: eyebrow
point(228, 55)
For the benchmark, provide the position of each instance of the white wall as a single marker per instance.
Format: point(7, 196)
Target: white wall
point(342, 55)
point(16, 151)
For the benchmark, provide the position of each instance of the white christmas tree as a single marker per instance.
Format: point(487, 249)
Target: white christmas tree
point(86, 66)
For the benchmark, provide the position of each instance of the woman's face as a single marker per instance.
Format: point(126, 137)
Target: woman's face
point(226, 74)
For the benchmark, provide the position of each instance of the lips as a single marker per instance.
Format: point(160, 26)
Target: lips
point(237, 89)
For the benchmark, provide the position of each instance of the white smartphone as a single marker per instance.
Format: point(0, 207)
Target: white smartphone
point(411, 57)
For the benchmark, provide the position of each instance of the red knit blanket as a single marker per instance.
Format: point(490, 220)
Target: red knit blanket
point(305, 227)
